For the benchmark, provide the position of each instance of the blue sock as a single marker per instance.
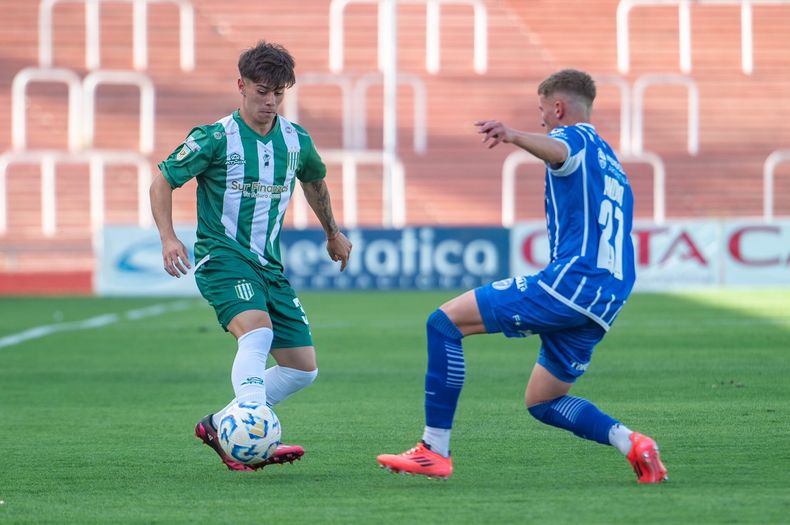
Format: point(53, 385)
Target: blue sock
point(444, 378)
point(577, 415)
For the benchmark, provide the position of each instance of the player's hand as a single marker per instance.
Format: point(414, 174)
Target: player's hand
point(174, 256)
point(494, 131)
point(339, 249)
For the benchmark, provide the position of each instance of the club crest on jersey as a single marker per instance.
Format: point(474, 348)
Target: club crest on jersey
point(293, 160)
point(233, 159)
point(244, 290)
point(601, 159)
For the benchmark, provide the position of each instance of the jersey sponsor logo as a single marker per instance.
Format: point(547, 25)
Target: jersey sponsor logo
point(257, 190)
point(234, 158)
point(244, 290)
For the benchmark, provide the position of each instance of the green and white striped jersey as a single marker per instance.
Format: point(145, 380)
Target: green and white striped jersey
point(244, 184)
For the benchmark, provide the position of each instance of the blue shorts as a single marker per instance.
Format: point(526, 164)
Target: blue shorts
point(519, 307)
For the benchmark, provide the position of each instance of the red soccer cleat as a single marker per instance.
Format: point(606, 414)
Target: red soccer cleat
point(283, 454)
point(205, 431)
point(418, 460)
point(645, 460)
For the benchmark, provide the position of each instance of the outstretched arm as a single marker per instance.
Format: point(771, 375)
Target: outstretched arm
point(337, 245)
point(174, 254)
point(545, 148)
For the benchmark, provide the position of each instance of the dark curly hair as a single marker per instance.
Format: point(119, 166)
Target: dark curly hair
point(269, 64)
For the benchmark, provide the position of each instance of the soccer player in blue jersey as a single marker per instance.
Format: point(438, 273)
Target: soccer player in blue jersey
point(570, 304)
point(246, 165)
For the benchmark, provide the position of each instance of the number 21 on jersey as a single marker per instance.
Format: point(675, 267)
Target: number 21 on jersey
point(610, 217)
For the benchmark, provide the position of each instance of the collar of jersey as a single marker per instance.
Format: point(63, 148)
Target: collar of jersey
point(243, 125)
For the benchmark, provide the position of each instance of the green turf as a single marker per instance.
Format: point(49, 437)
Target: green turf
point(97, 423)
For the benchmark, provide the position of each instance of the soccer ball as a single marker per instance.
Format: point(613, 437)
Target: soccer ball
point(249, 432)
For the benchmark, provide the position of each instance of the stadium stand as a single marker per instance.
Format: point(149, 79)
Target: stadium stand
point(49, 219)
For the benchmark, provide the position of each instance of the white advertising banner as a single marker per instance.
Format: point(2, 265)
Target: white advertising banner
point(756, 253)
point(129, 263)
point(684, 253)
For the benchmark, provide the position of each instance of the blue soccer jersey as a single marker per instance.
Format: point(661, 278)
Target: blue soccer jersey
point(589, 212)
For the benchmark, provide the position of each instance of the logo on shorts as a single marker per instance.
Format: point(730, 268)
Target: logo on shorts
point(504, 284)
point(244, 290)
point(581, 367)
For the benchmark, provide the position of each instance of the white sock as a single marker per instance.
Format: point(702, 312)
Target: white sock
point(282, 381)
point(438, 439)
point(218, 415)
point(620, 438)
point(249, 366)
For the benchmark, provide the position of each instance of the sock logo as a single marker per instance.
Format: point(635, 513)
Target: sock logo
point(244, 290)
point(252, 381)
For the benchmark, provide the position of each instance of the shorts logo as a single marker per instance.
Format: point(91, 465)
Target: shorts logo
point(581, 367)
point(244, 291)
point(504, 284)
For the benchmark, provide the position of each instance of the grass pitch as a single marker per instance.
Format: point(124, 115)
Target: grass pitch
point(97, 421)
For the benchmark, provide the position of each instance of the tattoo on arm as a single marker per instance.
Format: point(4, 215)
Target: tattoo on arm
point(317, 195)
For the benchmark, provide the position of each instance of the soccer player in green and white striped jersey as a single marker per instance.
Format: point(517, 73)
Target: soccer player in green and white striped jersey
point(246, 165)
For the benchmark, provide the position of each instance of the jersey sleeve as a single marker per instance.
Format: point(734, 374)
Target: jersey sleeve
point(190, 159)
point(312, 167)
point(574, 141)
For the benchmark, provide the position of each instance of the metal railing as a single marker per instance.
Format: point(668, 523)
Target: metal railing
point(131, 78)
point(519, 157)
point(354, 99)
point(346, 85)
point(769, 168)
point(19, 103)
point(641, 84)
point(624, 8)
point(432, 30)
point(659, 180)
point(139, 32)
point(97, 161)
point(625, 107)
point(81, 104)
point(393, 188)
point(420, 109)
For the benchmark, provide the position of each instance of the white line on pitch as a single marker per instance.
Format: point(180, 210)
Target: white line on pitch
point(94, 322)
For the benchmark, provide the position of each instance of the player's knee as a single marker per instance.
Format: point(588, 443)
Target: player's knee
point(539, 410)
point(439, 321)
point(303, 378)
